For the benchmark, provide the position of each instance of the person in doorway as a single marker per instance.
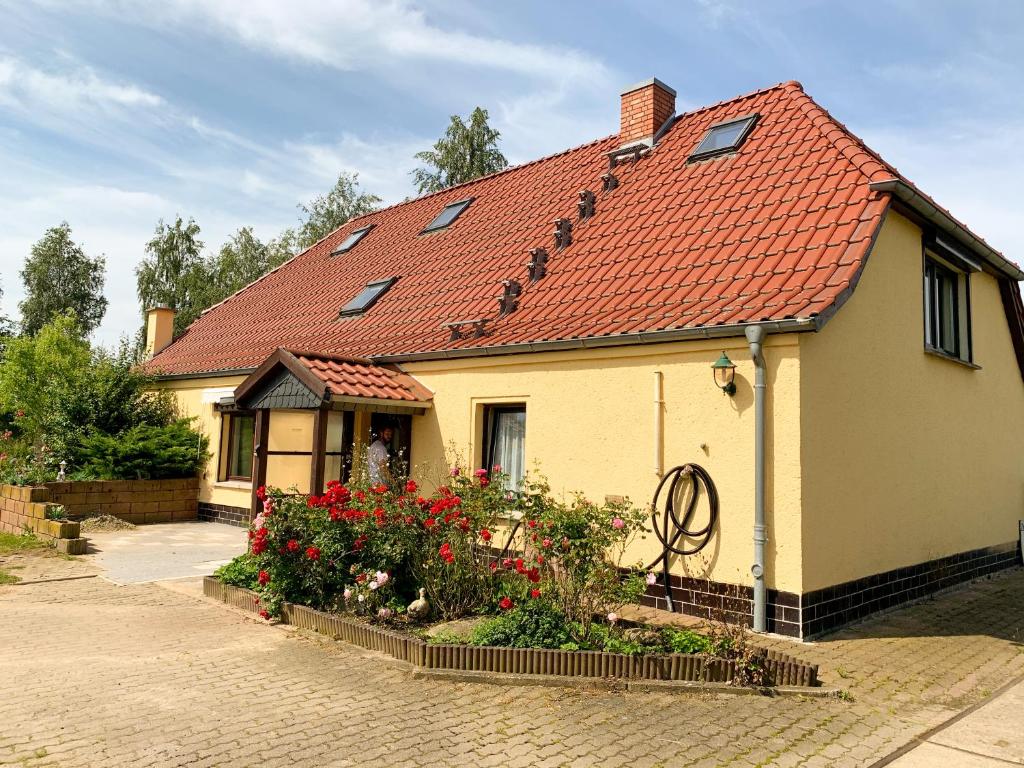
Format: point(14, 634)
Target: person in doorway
point(379, 457)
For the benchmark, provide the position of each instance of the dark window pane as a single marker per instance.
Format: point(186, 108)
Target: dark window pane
point(448, 215)
point(243, 430)
point(724, 137)
point(349, 242)
point(367, 296)
point(508, 443)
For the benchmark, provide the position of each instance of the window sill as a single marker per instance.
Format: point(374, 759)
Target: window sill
point(951, 358)
point(241, 485)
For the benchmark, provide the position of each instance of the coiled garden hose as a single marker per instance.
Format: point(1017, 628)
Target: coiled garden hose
point(673, 527)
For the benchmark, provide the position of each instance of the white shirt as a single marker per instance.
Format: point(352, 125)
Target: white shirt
point(377, 457)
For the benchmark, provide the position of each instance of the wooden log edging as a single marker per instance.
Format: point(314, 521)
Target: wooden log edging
point(781, 669)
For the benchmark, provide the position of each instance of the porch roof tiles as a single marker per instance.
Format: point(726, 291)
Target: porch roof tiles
point(353, 377)
point(777, 230)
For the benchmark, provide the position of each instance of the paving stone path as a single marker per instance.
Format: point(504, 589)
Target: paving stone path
point(96, 674)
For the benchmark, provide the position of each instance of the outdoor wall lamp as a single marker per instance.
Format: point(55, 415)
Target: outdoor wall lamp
point(725, 372)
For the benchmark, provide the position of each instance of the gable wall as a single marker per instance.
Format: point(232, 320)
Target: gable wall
point(906, 457)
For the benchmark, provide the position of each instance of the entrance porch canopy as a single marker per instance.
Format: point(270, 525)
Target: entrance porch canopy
point(322, 383)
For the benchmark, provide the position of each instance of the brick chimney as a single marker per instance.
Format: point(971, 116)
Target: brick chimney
point(646, 106)
point(159, 329)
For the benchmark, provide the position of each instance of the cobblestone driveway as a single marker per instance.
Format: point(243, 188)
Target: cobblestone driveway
point(94, 674)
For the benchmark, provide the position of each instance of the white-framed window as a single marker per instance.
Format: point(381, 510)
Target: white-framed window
point(947, 309)
point(505, 441)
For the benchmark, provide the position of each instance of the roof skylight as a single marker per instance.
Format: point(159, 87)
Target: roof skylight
point(724, 137)
point(449, 214)
point(350, 242)
point(367, 297)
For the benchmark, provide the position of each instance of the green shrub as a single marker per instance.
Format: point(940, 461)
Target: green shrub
point(534, 624)
point(145, 452)
point(55, 390)
point(243, 571)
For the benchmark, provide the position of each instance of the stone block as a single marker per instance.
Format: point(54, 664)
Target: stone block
point(145, 507)
point(184, 514)
point(39, 493)
point(74, 498)
point(63, 529)
point(71, 546)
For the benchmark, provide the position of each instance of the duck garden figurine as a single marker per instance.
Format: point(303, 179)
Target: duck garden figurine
point(419, 609)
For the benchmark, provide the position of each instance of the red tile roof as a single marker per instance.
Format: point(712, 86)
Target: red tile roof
point(352, 377)
point(778, 230)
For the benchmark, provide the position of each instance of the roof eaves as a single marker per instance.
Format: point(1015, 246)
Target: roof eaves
point(932, 212)
point(792, 325)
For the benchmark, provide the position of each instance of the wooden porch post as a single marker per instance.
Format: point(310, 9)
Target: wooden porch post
point(259, 458)
point(318, 457)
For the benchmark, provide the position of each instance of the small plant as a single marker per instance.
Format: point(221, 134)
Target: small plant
point(536, 624)
point(243, 571)
point(56, 512)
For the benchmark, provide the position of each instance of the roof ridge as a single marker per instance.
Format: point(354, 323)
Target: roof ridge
point(480, 179)
point(810, 105)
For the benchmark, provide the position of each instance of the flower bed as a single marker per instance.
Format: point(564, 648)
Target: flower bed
point(544, 589)
point(780, 669)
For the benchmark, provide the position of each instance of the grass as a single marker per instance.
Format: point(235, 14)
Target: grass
point(13, 542)
point(10, 543)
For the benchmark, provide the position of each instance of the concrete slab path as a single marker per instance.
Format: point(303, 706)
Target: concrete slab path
point(989, 736)
point(164, 551)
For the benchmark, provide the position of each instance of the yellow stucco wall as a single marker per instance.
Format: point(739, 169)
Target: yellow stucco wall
point(191, 394)
point(906, 457)
point(590, 427)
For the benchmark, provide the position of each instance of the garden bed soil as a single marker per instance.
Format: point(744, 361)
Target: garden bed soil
point(683, 669)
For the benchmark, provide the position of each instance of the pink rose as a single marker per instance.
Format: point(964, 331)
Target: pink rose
point(612, 618)
point(454, 472)
point(618, 523)
point(652, 579)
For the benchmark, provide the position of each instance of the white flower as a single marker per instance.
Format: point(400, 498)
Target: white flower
point(361, 598)
point(373, 585)
point(347, 593)
point(382, 577)
point(652, 578)
point(612, 618)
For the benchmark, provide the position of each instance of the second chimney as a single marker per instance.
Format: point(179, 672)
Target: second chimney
point(646, 107)
point(159, 329)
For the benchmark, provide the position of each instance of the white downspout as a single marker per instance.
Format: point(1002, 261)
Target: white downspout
point(659, 425)
point(755, 337)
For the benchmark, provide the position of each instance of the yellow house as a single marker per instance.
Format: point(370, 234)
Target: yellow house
point(862, 426)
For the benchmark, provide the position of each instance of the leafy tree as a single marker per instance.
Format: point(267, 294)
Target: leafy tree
point(60, 278)
point(6, 328)
point(173, 273)
point(327, 212)
point(60, 390)
point(240, 261)
point(464, 153)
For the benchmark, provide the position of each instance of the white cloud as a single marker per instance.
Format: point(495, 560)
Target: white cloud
point(965, 167)
point(360, 34)
point(25, 87)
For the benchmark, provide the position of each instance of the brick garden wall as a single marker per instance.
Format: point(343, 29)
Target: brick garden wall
point(23, 508)
point(136, 501)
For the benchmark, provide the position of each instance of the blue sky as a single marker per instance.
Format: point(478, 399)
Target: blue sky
point(116, 113)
